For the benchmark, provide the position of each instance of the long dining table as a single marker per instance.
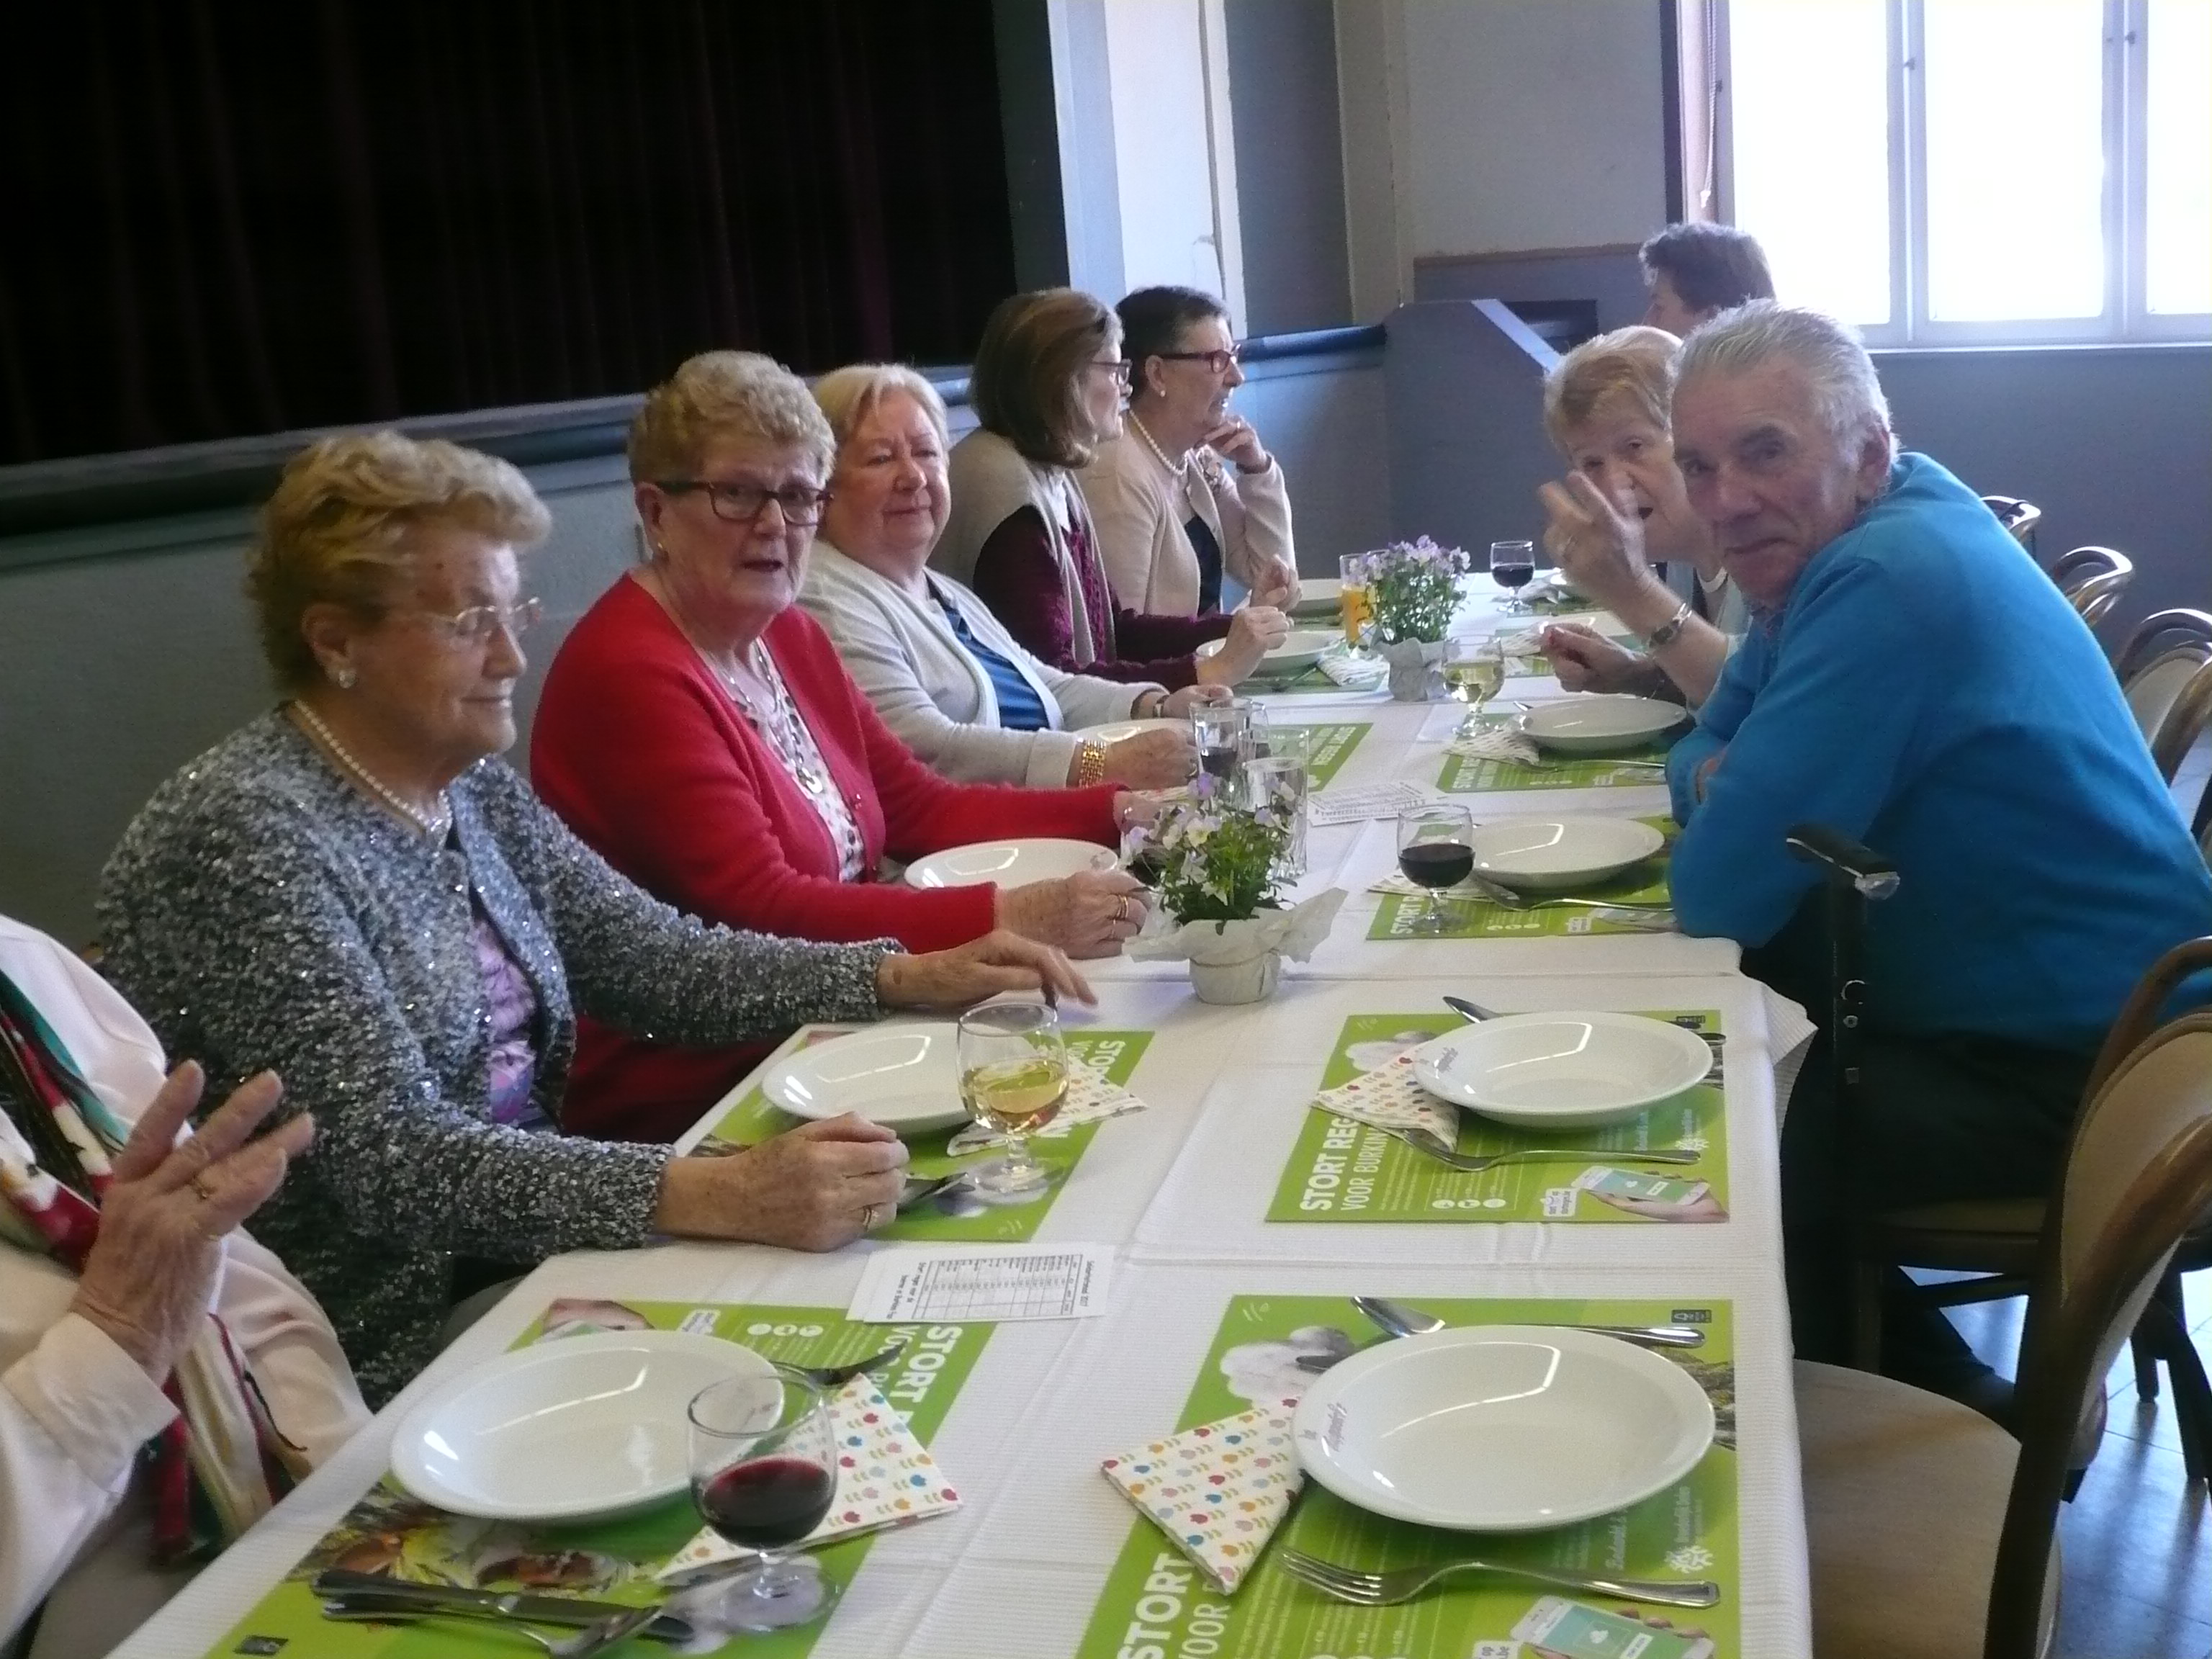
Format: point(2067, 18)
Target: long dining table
point(1189, 1198)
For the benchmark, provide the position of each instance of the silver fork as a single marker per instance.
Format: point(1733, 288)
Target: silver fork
point(1382, 1589)
point(593, 1638)
point(836, 1376)
point(1498, 894)
point(1423, 1142)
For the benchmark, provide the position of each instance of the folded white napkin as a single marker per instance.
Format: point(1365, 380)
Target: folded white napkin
point(1218, 1491)
point(1391, 1098)
point(1354, 673)
point(1499, 743)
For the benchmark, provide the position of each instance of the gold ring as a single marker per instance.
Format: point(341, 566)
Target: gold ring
point(1121, 908)
point(869, 1216)
point(200, 1187)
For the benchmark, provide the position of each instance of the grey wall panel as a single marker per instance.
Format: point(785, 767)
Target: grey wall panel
point(1610, 278)
point(1327, 430)
point(1290, 164)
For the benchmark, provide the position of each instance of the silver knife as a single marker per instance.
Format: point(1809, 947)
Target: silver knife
point(372, 1592)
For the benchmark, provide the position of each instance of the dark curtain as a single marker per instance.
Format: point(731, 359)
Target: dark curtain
point(225, 218)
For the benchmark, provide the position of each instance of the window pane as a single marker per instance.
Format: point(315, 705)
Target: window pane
point(1811, 149)
point(2016, 158)
point(2178, 178)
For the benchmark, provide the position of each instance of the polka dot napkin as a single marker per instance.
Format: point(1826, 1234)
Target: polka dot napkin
point(886, 1478)
point(1393, 1099)
point(1218, 1491)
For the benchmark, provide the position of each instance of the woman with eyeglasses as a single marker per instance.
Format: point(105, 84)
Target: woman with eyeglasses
point(1187, 493)
point(354, 892)
point(1046, 387)
point(698, 729)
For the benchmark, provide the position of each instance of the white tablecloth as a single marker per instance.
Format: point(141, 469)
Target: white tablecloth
point(1180, 1190)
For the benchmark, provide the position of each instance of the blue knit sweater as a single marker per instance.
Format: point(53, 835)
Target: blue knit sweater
point(1928, 690)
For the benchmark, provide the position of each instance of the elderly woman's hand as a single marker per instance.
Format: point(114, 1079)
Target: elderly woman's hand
point(999, 963)
point(151, 1275)
point(1275, 584)
point(1086, 914)
point(1583, 660)
point(1598, 544)
point(1252, 633)
point(1159, 759)
point(812, 1189)
point(1177, 705)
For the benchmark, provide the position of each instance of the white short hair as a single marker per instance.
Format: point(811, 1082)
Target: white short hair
point(1846, 393)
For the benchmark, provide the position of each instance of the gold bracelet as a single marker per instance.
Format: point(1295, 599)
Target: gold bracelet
point(1089, 765)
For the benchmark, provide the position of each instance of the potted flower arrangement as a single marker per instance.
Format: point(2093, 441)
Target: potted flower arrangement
point(1218, 896)
point(1412, 591)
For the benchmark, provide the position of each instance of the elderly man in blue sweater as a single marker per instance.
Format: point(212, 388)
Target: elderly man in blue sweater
point(1912, 680)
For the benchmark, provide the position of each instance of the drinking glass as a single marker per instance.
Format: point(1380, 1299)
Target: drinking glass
point(1436, 850)
point(1352, 570)
point(1218, 732)
point(1014, 1077)
point(1276, 781)
point(764, 1473)
point(1476, 671)
point(1511, 565)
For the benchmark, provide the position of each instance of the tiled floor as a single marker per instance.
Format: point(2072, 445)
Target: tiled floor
point(2136, 1540)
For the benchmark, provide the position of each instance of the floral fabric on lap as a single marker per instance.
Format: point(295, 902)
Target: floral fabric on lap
point(514, 1007)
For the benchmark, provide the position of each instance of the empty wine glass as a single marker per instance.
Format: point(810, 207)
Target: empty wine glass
point(764, 1474)
point(1436, 850)
point(1014, 1077)
point(1511, 565)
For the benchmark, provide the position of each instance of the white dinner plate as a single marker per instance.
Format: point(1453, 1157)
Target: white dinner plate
point(904, 1077)
point(1114, 731)
point(1550, 854)
point(1009, 863)
point(1600, 724)
point(578, 1426)
point(1562, 1071)
point(1501, 1428)
point(1298, 649)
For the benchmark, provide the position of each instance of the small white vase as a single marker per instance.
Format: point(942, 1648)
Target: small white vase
point(1249, 981)
point(1416, 672)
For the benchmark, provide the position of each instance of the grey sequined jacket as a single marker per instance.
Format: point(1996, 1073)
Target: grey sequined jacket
point(262, 913)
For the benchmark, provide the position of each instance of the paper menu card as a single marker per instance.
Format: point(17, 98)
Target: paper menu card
point(1218, 1491)
point(920, 1285)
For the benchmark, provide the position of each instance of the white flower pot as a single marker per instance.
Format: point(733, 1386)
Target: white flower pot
point(1249, 981)
point(1416, 672)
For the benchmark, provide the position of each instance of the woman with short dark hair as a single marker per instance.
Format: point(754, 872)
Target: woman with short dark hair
point(1046, 387)
point(1186, 494)
point(1696, 270)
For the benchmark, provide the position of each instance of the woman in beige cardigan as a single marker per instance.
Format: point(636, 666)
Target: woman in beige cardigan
point(1185, 493)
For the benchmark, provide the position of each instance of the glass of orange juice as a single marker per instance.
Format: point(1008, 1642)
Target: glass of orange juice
point(1352, 595)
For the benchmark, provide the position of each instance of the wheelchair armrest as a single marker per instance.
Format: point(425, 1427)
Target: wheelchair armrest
point(1872, 875)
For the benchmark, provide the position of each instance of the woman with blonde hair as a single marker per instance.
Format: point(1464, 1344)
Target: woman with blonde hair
point(352, 891)
point(939, 668)
point(1623, 508)
point(1047, 386)
point(698, 729)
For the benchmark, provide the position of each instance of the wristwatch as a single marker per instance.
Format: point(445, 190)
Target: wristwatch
point(1668, 631)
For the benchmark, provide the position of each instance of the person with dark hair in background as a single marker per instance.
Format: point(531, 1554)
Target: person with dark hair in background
point(1186, 494)
point(1696, 270)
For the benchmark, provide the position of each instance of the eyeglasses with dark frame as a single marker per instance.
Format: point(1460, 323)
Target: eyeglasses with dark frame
point(1119, 368)
point(476, 624)
point(1217, 359)
point(741, 503)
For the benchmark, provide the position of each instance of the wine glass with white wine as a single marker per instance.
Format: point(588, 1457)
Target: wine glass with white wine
point(1013, 1077)
point(1476, 671)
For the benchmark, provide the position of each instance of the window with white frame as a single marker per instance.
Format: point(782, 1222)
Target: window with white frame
point(1964, 172)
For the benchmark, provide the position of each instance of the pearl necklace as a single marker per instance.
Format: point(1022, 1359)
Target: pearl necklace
point(432, 825)
point(1179, 468)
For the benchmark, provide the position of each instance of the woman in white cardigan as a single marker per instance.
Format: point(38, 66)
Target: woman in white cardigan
point(939, 668)
point(1186, 494)
point(88, 1339)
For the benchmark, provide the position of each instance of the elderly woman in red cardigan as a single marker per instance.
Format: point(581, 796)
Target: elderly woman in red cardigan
point(699, 731)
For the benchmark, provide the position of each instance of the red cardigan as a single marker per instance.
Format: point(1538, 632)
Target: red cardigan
point(637, 745)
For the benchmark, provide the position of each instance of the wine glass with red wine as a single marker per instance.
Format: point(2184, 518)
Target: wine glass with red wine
point(1512, 566)
point(1436, 850)
point(763, 1474)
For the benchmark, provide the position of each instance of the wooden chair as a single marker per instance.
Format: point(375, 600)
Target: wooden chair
point(2160, 668)
point(2093, 579)
point(1933, 1534)
point(2018, 518)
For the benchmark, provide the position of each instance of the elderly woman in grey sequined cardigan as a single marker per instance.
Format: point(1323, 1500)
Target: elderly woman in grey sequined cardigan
point(350, 891)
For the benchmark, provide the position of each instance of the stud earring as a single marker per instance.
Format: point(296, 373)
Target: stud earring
point(343, 676)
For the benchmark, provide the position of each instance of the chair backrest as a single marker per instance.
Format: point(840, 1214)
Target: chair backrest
point(2017, 516)
point(2093, 579)
point(2138, 1176)
point(2171, 698)
point(2162, 633)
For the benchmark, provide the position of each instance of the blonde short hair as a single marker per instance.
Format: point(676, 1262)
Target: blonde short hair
point(724, 394)
point(1635, 366)
point(846, 396)
point(340, 529)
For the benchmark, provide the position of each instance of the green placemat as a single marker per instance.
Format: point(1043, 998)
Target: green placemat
point(1342, 1170)
point(1479, 918)
point(1156, 1605)
point(1464, 774)
point(614, 1560)
point(1306, 679)
point(1327, 748)
point(965, 1216)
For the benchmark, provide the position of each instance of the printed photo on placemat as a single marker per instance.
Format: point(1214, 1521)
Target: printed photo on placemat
point(961, 1213)
point(393, 1535)
point(1343, 1169)
point(1637, 901)
point(1163, 1594)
